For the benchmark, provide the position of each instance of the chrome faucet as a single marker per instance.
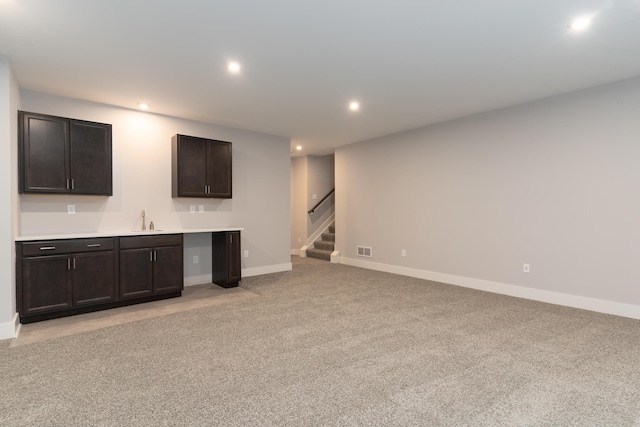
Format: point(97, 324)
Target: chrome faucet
point(144, 226)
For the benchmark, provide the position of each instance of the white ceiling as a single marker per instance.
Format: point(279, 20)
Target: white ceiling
point(410, 63)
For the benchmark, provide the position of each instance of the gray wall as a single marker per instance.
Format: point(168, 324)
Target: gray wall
point(310, 175)
point(321, 179)
point(298, 203)
point(553, 183)
point(9, 103)
point(142, 180)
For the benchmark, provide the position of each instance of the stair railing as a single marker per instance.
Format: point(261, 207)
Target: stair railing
point(312, 210)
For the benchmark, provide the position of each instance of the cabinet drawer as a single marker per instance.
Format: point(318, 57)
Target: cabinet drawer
point(49, 247)
point(134, 242)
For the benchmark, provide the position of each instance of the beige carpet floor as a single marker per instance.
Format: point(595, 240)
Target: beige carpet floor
point(333, 345)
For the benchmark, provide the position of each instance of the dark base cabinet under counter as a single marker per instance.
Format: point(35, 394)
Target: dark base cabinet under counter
point(57, 278)
point(226, 258)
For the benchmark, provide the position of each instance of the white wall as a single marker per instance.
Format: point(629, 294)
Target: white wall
point(321, 180)
point(9, 104)
point(553, 183)
point(142, 180)
point(298, 203)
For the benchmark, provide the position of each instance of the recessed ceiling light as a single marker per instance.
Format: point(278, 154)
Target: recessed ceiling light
point(580, 23)
point(234, 67)
point(299, 147)
point(143, 106)
point(354, 106)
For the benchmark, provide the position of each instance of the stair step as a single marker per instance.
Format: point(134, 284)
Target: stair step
point(329, 237)
point(319, 254)
point(327, 246)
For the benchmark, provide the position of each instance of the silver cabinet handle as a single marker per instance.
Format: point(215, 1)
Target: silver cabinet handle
point(155, 255)
point(95, 245)
point(47, 248)
point(68, 263)
point(74, 263)
point(73, 185)
point(151, 256)
point(67, 183)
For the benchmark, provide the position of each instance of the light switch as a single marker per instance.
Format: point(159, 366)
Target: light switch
point(192, 209)
point(201, 208)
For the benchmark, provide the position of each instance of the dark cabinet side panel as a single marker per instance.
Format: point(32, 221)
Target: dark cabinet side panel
point(91, 158)
point(46, 284)
point(94, 278)
point(43, 152)
point(234, 274)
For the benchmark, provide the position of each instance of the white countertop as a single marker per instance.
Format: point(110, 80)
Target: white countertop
point(93, 234)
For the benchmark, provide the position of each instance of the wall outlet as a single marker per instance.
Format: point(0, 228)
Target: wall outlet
point(246, 254)
point(201, 208)
point(71, 209)
point(404, 252)
point(192, 209)
point(195, 259)
point(526, 268)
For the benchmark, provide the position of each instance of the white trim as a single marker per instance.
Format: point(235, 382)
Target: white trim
point(267, 269)
point(335, 257)
point(325, 225)
point(575, 301)
point(295, 252)
point(10, 329)
point(302, 253)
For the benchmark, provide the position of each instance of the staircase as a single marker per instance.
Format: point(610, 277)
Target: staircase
point(323, 248)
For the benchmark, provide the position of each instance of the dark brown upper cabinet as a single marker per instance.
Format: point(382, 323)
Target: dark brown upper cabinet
point(64, 156)
point(200, 167)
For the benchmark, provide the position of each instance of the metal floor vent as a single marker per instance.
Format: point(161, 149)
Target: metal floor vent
point(364, 251)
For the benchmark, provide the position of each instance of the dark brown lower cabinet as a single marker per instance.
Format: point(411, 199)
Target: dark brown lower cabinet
point(70, 276)
point(151, 265)
point(64, 274)
point(226, 262)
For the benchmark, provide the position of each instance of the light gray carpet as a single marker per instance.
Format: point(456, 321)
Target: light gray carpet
point(333, 345)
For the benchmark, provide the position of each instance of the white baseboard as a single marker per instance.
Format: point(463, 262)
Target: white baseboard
point(575, 301)
point(267, 269)
point(10, 329)
point(295, 251)
point(302, 252)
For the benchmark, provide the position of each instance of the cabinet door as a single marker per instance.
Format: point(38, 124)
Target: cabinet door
point(191, 167)
point(43, 152)
point(167, 269)
point(136, 273)
point(90, 153)
point(46, 284)
point(219, 169)
point(234, 257)
point(93, 278)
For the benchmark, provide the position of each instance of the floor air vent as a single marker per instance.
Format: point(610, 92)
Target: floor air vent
point(364, 251)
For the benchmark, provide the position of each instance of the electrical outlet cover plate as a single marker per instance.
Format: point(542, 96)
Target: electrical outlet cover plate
point(192, 209)
point(71, 209)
